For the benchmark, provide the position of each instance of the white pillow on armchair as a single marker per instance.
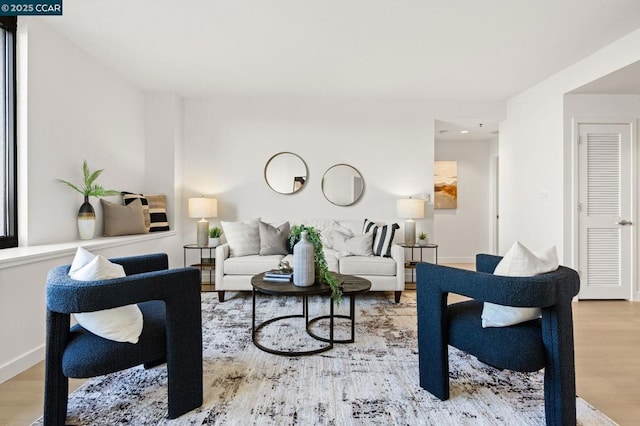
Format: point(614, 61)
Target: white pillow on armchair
point(121, 324)
point(518, 262)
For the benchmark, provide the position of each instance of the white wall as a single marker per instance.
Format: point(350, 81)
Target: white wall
point(72, 108)
point(228, 141)
point(75, 109)
point(535, 157)
point(463, 232)
point(163, 151)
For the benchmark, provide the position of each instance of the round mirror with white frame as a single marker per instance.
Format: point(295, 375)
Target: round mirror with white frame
point(285, 173)
point(342, 185)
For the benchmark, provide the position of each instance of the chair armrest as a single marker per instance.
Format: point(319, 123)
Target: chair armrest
point(537, 291)
point(145, 263)
point(487, 262)
point(65, 295)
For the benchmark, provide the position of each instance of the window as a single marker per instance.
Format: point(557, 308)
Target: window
point(8, 146)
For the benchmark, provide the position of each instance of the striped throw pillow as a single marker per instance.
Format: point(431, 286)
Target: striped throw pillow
point(382, 237)
point(154, 208)
point(158, 212)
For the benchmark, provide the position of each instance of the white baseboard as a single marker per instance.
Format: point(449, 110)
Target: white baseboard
point(22, 363)
point(442, 260)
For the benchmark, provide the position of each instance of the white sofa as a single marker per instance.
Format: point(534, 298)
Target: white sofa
point(385, 273)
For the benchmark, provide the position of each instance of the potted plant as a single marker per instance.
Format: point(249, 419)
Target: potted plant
point(214, 236)
point(89, 188)
point(422, 239)
point(322, 272)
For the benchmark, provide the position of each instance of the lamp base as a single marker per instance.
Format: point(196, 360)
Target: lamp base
point(410, 233)
point(203, 233)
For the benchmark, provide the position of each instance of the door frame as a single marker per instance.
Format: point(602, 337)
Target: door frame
point(575, 173)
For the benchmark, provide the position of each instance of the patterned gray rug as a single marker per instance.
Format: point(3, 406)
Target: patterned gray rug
point(372, 381)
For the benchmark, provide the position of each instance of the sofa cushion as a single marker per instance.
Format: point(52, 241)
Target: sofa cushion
point(368, 265)
point(251, 265)
point(274, 240)
point(243, 237)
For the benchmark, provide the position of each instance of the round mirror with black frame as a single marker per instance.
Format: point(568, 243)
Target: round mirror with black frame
point(342, 185)
point(285, 173)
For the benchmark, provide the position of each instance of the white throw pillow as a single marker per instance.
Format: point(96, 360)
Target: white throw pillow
point(121, 324)
point(357, 245)
point(518, 262)
point(243, 237)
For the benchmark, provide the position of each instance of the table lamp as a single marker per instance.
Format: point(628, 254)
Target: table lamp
point(410, 208)
point(203, 207)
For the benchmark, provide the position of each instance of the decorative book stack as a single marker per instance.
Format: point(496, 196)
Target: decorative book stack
point(276, 275)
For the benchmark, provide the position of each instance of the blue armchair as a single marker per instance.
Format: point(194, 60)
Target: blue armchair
point(530, 346)
point(172, 331)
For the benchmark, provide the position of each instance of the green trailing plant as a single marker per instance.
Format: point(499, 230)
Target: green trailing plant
point(422, 236)
point(89, 186)
point(323, 274)
point(215, 232)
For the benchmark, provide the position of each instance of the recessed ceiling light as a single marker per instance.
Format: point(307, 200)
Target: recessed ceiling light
point(464, 132)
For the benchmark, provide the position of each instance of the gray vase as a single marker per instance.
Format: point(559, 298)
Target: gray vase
point(303, 266)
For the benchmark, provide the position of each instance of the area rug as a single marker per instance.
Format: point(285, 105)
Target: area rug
point(373, 381)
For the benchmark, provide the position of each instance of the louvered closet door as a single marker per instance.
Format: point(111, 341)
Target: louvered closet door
point(605, 210)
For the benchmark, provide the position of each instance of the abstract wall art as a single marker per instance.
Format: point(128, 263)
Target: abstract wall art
point(446, 185)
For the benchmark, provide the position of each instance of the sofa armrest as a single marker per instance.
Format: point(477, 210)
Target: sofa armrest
point(222, 253)
point(397, 254)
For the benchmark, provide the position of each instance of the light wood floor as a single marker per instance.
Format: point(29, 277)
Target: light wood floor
point(607, 352)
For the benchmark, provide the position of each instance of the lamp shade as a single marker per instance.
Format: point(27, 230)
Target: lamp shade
point(410, 208)
point(203, 207)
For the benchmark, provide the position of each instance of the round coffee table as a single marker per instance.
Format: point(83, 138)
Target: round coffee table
point(351, 286)
point(289, 289)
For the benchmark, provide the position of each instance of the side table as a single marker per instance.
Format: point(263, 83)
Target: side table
point(206, 263)
point(413, 261)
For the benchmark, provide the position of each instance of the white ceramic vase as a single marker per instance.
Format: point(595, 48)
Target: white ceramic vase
point(214, 242)
point(304, 273)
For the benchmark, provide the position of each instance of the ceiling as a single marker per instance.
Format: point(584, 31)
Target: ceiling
point(465, 130)
point(455, 50)
point(625, 81)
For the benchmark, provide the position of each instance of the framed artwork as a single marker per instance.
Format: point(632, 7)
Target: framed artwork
point(446, 185)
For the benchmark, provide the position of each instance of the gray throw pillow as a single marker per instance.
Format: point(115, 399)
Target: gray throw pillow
point(243, 237)
point(274, 240)
point(123, 220)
